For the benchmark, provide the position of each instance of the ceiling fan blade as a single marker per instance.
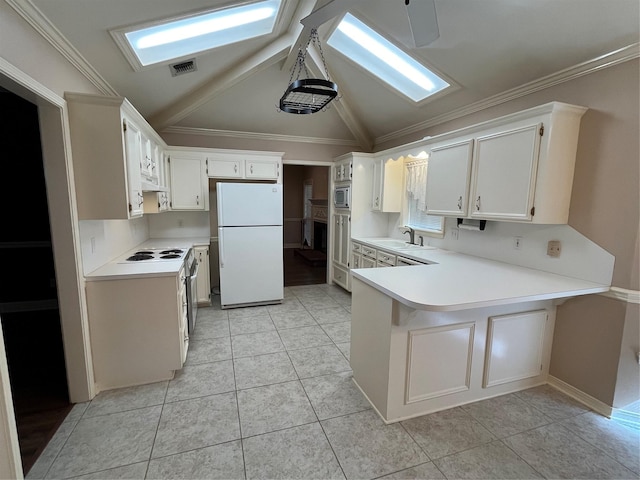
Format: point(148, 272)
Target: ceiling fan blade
point(328, 11)
point(423, 22)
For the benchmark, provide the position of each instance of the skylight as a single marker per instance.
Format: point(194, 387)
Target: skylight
point(188, 35)
point(373, 52)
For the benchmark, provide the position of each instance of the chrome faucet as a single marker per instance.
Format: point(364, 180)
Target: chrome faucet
point(411, 233)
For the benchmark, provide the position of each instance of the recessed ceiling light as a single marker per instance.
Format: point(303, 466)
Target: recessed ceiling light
point(179, 37)
point(371, 51)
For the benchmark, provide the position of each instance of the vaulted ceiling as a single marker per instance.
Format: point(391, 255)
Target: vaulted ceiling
point(490, 49)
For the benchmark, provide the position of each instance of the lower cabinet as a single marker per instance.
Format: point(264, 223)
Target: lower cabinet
point(412, 362)
point(203, 282)
point(135, 341)
point(341, 249)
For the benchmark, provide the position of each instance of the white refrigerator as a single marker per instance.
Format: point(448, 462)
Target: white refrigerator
point(250, 243)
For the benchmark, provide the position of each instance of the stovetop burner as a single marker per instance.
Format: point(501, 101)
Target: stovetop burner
point(156, 255)
point(138, 256)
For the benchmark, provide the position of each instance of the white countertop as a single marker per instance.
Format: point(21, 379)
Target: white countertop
point(454, 281)
point(115, 270)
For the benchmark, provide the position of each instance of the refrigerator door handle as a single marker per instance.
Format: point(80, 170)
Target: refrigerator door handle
point(221, 250)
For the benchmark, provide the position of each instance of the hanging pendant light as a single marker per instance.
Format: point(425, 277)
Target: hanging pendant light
point(308, 95)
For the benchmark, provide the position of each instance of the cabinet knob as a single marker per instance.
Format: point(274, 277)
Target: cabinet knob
point(251, 168)
point(460, 202)
point(235, 168)
point(478, 203)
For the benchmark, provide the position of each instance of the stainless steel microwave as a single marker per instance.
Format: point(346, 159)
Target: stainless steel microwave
point(342, 197)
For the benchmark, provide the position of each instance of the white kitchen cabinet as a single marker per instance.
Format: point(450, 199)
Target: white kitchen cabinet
point(203, 281)
point(135, 341)
point(341, 248)
point(521, 164)
point(263, 169)
point(106, 144)
point(244, 165)
point(343, 171)
point(189, 184)
point(225, 167)
point(449, 170)
point(387, 185)
point(152, 162)
point(515, 347)
point(504, 173)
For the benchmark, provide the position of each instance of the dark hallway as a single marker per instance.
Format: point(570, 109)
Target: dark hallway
point(29, 299)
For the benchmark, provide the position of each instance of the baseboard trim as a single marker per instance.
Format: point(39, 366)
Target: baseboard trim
point(584, 398)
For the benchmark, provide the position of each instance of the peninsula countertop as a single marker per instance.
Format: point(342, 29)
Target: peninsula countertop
point(455, 281)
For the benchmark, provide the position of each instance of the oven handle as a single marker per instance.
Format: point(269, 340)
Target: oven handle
point(195, 272)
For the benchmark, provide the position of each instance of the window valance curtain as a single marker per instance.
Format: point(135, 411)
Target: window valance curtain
point(417, 183)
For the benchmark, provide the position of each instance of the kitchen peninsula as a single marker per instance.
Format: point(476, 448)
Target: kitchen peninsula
point(460, 329)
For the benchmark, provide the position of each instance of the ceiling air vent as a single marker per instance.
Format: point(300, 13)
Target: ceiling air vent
point(183, 67)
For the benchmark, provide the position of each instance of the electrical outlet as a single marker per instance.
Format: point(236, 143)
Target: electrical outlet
point(454, 233)
point(517, 243)
point(93, 244)
point(180, 223)
point(553, 248)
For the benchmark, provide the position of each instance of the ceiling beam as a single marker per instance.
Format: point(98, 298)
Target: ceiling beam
point(341, 104)
point(300, 32)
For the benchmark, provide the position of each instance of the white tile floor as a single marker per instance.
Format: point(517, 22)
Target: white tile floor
point(267, 393)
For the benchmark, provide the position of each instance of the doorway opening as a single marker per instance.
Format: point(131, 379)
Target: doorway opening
point(29, 302)
point(305, 198)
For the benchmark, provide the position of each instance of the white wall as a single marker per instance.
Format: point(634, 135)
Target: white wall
point(179, 225)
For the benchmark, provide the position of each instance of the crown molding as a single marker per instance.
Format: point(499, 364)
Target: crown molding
point(622, 294)
point(610, 59)
point(258, 136)
point(51, 34)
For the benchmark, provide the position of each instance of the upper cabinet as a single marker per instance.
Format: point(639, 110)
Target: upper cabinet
point(515, 168)
point(448, 179)
point(343, 171)
point(188, 181)
point(250, 165)
point(108, 143)
point(387, 185)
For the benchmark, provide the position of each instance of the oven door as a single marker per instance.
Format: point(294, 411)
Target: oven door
point(192, 295)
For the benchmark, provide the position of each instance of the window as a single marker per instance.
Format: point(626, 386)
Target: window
point(373, 52)
point(178, 37)
point(416, 191)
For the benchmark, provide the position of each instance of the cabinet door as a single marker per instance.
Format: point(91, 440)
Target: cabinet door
point(203, 283)
point(504, 174)
point(515, 345)
point(337, 237)
point(187, 183)
point(225, 167)
point(338, 172)
point(133, 147)
point(448, 174)
point(263, 169)
point(356, 260)
point(345, 240)
point(376, 190)
point(368, 262)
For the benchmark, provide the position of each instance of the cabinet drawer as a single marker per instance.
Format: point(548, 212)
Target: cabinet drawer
point(356, 247)
point(368, 251)
point(381, 263)
point(385, 257)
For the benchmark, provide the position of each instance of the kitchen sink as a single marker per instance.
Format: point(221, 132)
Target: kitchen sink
point(392, 243)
